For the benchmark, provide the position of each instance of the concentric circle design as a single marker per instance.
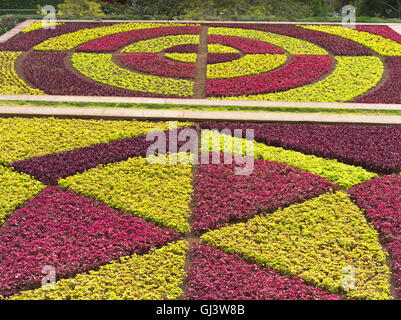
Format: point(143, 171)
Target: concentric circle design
point(243, 62)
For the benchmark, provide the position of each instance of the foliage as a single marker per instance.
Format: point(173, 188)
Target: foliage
point(101, 68)
point(376, 148)
point(248, 65)
point(157, 275)
point(352, 77)
point(15, 189)
point(315, 240)
point(156, 192)
point(23, 138)
point(215, 275)
point(81, 8)
point(342, 174)
point(10, 83)
point(222, 197)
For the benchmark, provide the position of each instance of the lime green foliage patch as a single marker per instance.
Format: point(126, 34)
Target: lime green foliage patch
point(352, 77)
point(101, 68)
point(314, 240)
point(39, 25)
point(71, 40)
point(161, 43)
point(343, 174)
point(248, 65)
point(383, 46)
point(159, 193)
point(219, 48)
point(292, 45)
point(182, 57)
point(153, 276)
point(15, 190)
point(10, 83)
point(23, 138)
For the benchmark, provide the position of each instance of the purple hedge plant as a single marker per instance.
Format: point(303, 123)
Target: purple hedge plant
point(221, 197)
point(376, 148)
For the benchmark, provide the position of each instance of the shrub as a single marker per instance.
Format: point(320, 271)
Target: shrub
point(71, 233)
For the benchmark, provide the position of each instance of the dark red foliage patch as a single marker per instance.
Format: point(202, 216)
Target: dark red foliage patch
point(215, 275)
point(116, 41)
point(245, 45)
point(302, 70)
point(381, 200)
point(71, 233)
point(153, 63)
point(59, 80)
point(49, 168)
point(336, 45)
point(376, 148)
point(221, 196)
point(221, 57)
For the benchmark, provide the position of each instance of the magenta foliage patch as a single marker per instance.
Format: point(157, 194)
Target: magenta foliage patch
point(221, 196)
point(153, 63)
point(336, 45)
point(71, 233)
point(301, 70)
point(49, 168)
point(390, 91)
point(376, 148)
point(26, 41)
point(381, 200)
point(59, 80)
point(115, 41)
point(221, 57)
point(215, 275)
point(245, 45)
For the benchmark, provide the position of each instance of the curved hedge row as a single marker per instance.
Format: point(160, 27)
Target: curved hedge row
point(71, 233)
point(215, 275)
point(15, 190)
point(221, 196)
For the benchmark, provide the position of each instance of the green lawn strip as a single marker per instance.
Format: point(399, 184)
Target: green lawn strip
point(57, 104)
point(157, 275)
point(318, 240)
point(342, 174)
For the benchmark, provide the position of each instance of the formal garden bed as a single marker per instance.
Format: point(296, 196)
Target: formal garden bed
point(267, 62)
point(81, 196)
